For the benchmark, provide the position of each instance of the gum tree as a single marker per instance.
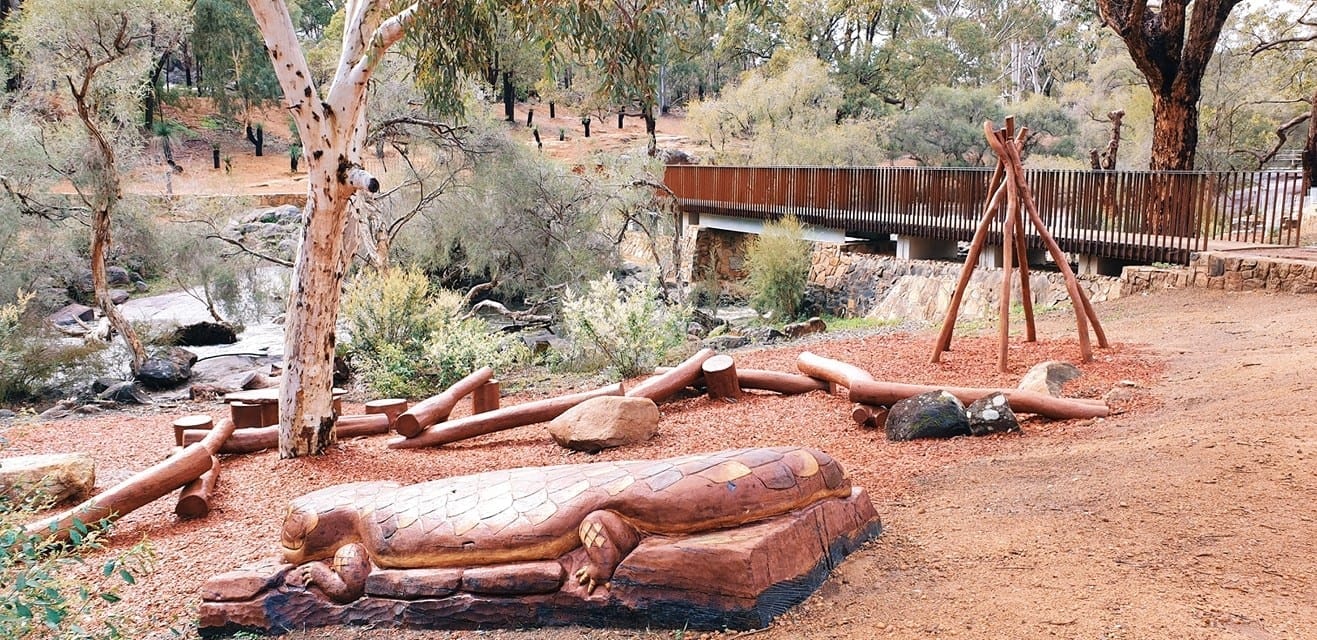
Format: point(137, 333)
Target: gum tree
point(93, 58)
point(449, 39)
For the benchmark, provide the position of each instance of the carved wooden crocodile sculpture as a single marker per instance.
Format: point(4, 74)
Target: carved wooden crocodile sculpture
point(542, 513)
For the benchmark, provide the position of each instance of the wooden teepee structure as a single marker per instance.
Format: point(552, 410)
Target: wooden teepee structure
point(1008, 184)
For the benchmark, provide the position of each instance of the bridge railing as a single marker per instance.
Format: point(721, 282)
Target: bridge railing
point(1130, 215)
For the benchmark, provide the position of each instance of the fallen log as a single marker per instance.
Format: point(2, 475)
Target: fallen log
point(888, 393)
point(435, 409)
point(262, 438)
point(720, 378)
point(787, 384)
point(663, 386)
point(194, 500)
point(141, 489)
point(500, 419)
point(836, 372)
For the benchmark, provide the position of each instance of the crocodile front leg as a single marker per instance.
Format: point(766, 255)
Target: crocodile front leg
point(607, 539)
point(342, 581)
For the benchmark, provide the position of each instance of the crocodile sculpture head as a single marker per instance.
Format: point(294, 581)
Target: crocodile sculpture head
point(321, 522)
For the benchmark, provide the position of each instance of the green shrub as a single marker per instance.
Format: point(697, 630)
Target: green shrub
point(628, 332)
point(406, 341)
point(778, 264)
point(43, 594)
point(29, 361)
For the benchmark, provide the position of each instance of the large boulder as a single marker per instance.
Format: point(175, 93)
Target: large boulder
point(167, 372)
point(126, 392)
point(936, 414)
point(1049, 377)
point(991, 414)
point(802, 329)
point(204, 334)
point(56, 476)
point(606, 422)
point(115, 277)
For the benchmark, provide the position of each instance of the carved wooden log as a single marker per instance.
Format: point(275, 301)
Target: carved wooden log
point(355, 426)
point(242, 440)
point(787, 384)
point(506, 418)
point(246, 415)
point(486, 397)
point(199, 421)
point(262, 438)
point(720, 378)
point(435, 409)
point(661, 387)
point(867, 415)
point(888, 393)
point(391, 407)
point(141, 489)
point(834, 371)
point(194, 501)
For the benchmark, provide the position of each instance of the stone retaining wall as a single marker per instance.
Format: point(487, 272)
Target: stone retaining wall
point(847, 282)
point(1226, 271)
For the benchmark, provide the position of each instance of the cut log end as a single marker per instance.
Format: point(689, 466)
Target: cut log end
point(720, 378)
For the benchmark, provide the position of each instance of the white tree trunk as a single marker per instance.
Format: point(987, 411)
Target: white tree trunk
point(331, 130)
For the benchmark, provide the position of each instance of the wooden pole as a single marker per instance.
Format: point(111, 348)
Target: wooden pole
point(888, 393)
point(506, 418)
point(787, 384)
point(1012, 160)
point(1026, 290)
point(720, 378)
point(835, 372)
point(262, 438)
point(1007, 260)
point(435, 409)
point(661, 387)
point(997, 187)
point(140, 489)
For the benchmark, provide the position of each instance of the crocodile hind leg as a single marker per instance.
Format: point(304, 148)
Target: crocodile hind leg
point(342, 581)
point(607, 539)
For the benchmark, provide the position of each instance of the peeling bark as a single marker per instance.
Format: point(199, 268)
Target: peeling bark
point(332, 131)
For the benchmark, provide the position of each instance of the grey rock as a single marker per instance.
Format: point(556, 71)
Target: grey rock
point(204, 334)
point(764, 335)
point(1049, 377)
point(115, 276)
point(991, 414)
point(164, 373)
point(542, 342)
point(936, 414)
point(126, 392)
point(6, 414)
point(119, 296)
point(808, 327)
point(71, 314)
point(53, 413)
point(141, 287)
point(726, 342)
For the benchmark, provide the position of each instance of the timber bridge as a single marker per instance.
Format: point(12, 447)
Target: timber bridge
point(1106, 219)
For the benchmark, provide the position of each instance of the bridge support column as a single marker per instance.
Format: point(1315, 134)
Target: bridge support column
point(990, 257)
point(917, 248)
point(1090, 264)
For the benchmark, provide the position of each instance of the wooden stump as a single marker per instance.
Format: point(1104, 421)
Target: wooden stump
point(868, 416)
point(199, 421)
point(246, 415)
point(720, 378)
point(486, 397)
